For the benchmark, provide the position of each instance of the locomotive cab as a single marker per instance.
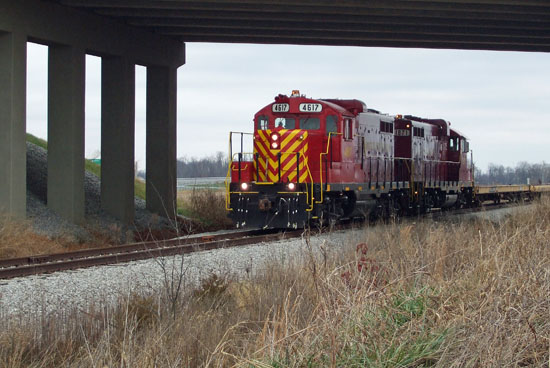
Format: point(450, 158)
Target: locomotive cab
point(279, 173)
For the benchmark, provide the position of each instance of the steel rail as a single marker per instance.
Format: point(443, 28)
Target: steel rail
point(40, 264)
point(26, 266)
point(132, 247)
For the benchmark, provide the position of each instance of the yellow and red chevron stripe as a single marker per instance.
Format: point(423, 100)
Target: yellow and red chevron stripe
point(292, 142)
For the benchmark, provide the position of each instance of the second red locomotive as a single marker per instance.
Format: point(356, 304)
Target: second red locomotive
point(329, 159)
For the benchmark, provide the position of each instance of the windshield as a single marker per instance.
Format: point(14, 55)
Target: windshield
point(310, 123)
point(306, 123)
point(285, 123)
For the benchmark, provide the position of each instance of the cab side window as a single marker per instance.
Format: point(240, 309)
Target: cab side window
point(386, 127)
point(418, 132)
point(331, 124)
point(465, 146)
point(348, 133)
point(453, 144)
point(262, 122)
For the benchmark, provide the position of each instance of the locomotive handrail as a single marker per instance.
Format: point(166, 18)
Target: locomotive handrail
point(412, 167)
point(444, 162)
point(231, 142)
point(330, 134)
point(311, 179)
point(227, 181)
point(231, 160)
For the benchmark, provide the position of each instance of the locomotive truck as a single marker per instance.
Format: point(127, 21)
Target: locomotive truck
point(324, 160)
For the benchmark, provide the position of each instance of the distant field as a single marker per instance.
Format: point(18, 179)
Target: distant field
point(190, 183)
point(92, 167)
point(204, 200)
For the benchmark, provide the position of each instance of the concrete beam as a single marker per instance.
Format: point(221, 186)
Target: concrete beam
point(13, 160)
point(161, 140)
point(66, 80)
point(117, 137)
point(50, 23)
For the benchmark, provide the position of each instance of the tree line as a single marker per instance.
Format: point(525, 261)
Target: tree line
point(216, 166)
point(211, 166)
point(499, 174)
point(205, 167)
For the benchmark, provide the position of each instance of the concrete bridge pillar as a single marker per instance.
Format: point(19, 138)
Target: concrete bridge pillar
point(161, 140)
point(13, 80)
point(66, 79)
point(71, 33)
point(117, 137)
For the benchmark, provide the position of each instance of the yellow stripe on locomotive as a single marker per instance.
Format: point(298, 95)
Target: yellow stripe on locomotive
point(281, 155)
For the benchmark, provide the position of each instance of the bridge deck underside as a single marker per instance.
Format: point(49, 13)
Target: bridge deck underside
point(520, 25)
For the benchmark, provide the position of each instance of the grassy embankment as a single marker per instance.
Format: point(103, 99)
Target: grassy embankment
point(139, 185)
point(17, 238)
point(467, 294)
point(203, 204)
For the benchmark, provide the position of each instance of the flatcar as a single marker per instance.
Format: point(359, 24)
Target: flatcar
point(330, 159)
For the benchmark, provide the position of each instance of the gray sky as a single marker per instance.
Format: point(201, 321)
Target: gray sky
point(500, 100)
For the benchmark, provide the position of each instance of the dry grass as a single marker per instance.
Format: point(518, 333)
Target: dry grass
point(17, 239)
point(468, 294)
point(206, 206)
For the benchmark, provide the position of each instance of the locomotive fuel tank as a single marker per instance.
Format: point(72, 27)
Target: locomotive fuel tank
point(450, 200)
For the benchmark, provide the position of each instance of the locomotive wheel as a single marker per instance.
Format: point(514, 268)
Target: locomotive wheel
point(393, 209)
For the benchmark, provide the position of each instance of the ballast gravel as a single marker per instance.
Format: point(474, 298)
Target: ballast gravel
point(81, 290)
point(46, 222)
point(59, 293)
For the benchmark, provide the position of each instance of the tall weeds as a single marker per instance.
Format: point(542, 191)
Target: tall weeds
point(467, 293)
point(18, 239)
point(205, 205)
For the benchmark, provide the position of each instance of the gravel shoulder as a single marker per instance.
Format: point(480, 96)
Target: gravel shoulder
point(82, 290)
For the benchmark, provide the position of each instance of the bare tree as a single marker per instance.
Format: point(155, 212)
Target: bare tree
point(524, 171)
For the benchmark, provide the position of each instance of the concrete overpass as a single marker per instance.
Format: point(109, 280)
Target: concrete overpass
point(152, 33)
point(519, 25)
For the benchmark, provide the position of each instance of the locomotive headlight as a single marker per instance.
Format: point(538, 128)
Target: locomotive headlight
point(244, 186)
point(291, 186)
point(274, 140)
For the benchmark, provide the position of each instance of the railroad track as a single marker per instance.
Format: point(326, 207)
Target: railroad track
point(33, 265)
point(39, 264)
point(436, 214)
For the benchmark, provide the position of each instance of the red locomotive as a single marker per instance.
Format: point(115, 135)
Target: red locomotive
point(331, 159)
